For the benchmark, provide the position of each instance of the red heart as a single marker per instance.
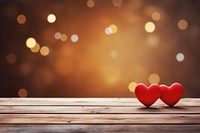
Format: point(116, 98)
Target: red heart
point(171, 95)
point(147, 95)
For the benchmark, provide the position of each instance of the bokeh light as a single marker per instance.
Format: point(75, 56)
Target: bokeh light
point(117, 3)
point(150, 27)
point(36, 48)
point(112, 29)
point(21, 19)
point(22, 92)
point(30, 42)
point(57, 35)
point(74, 38)
point(180, 57)
point(51, 18)
point(11, 58)
point(44, 50)
point(90, 3)
point(132, 86)
point(108, 31)
point(154, 78)
point(63, 37)
point(182, 24)
point(156, 16)
point(98, 48)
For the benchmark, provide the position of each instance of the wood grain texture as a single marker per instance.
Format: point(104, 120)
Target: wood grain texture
point(90, 101)
point(99, 119)
point(98, 128)
point(70, 101)
point(96, 115)
point(20, 109)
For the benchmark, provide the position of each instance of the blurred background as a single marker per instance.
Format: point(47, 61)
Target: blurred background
point(97, 48)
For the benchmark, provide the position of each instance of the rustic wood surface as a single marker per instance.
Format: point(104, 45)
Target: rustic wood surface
point(96, 115)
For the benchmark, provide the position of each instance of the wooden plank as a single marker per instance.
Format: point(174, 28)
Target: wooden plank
point(68, 101)
point(95, 110)
point(98, 128)
point(100, 119)
point(90, 101)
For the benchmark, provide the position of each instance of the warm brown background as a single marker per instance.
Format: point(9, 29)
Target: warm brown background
point(98, 65)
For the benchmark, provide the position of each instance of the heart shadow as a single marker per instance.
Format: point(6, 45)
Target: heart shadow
point(174, 107)
point(160, 109)
point(149, 108)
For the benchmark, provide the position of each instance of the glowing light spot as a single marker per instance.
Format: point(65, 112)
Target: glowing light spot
point(30, 42)
point(108, 31)
point(182, 24)
point(11, 58)
point(51, 18)
point(90, 3)
point(132, 86)
point(154, 78)
point(156, 16)
point(150, 27)
point(74, 38)
point(21, 19)
point(180, 57)
point(44, 51)
point(57, 35)
point(22, 92)
point(113, 28)
point(36, 48)
point(63, 37)
point(117, 3)
point(114, 54)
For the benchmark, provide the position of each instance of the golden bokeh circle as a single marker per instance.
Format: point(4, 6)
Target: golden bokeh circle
point(154, 78)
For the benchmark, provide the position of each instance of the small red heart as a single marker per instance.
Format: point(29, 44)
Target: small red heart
point(171, 95)
point(147, 95)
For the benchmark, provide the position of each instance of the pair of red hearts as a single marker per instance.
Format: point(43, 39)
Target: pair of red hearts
point(169, 95)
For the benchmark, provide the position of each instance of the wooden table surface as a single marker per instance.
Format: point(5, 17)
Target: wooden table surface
point(30, 115)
